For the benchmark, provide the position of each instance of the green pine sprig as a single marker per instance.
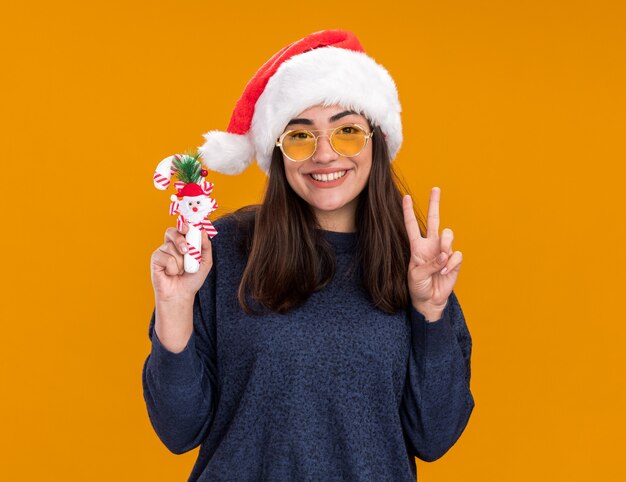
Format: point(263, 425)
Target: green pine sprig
point(188, 169)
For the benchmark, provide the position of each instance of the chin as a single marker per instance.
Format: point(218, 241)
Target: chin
point(330, 205)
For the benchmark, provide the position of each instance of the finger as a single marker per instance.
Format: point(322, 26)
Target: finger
point(454, 263)
point(426, 270)
point(410, 221)
point(433, 213)
point(166, 261)
point(446, 241)
point(168, 248)
point(184, 229)
point(174, 236)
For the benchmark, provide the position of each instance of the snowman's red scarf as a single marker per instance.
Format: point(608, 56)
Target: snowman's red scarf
point(204, 224)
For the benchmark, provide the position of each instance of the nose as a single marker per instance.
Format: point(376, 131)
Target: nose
point(194, 209)
point(324, 152)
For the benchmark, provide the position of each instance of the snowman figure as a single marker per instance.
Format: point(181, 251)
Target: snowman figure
point(192, 202)
point(194, 205)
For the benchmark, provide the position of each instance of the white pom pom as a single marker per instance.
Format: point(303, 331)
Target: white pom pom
point(225, 152)
point(173, 198)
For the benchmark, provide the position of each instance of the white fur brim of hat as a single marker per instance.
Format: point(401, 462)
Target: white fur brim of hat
point(323, 76)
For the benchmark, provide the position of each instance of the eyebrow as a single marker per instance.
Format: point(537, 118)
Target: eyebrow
point(309, 122)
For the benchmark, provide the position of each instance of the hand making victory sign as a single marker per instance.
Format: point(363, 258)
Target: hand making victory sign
point(433, 267)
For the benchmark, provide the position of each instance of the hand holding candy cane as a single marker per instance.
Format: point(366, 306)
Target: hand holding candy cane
point(171, 283)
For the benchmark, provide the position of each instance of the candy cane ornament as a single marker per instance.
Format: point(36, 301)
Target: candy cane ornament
point(192, 202)
point(164, 172)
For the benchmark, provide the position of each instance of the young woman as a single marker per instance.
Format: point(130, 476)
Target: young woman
point(321, 338)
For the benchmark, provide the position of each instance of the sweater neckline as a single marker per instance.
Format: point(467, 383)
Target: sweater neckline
point(342, 242)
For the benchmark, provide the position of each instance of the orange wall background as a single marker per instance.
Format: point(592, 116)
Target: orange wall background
point(516, 110)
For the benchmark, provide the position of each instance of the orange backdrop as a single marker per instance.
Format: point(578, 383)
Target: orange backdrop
point(516, 110)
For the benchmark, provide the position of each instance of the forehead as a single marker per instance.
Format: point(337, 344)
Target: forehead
point(320, 115)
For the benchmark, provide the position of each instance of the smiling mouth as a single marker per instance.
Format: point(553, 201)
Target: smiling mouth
point(328, 177)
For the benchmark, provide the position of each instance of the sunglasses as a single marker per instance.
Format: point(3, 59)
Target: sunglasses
point(346, 140)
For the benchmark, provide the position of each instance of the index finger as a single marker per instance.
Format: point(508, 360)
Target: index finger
point(433, 213)
point(410, 221)
point(179, 240)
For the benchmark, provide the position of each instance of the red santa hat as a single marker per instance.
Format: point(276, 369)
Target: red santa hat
point(328, 67)
point(192, 189)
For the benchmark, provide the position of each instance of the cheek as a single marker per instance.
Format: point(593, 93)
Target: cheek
point(366, 171)
point(292, 176)
point(369, 173)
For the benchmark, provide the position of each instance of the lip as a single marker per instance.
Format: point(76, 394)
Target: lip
point(328, 184)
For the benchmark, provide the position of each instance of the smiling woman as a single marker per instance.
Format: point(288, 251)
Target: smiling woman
point(329, 182)
point(354, 203)
point(321, 338)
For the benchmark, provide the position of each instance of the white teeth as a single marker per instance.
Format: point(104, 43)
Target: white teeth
point(328, 177)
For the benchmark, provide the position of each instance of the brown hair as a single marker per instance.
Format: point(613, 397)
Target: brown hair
point(289, 258)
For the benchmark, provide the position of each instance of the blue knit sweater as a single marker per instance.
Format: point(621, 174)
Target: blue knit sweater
point(335, 390)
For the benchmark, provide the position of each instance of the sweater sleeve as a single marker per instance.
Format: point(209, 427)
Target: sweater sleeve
point(437, 401)
point(180, 388)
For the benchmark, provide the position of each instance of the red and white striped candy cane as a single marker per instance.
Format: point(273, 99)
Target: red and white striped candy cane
point(164, 172)
point(162, 178)
point(192, 257)
point(193, 238)
point(191, 260)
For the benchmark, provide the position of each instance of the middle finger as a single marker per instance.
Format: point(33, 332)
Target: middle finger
point(433, 213)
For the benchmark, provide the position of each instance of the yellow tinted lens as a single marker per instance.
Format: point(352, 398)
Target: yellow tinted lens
point(299, 145)
point(348, 140)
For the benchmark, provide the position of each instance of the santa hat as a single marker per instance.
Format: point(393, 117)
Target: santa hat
point(192, 189)
point(327, 67)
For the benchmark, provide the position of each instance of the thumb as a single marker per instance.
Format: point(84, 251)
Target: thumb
point(424, 271)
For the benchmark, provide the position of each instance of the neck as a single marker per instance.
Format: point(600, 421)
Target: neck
point(341, 220)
